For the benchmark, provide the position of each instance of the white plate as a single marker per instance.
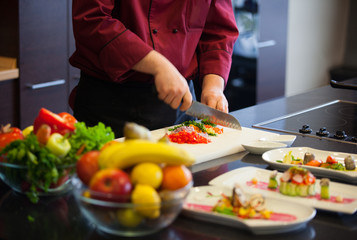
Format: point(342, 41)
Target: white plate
point(260, 147)
point(199, 203)
point(272, 156)
point(244, 176)
point(287, 139)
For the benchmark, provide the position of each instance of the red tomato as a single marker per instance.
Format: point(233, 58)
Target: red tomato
point(61, 125)
point(9, 134)
point(331, 160)
point(87, 166)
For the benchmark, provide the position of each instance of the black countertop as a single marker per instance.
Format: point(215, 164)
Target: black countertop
point(60, 217)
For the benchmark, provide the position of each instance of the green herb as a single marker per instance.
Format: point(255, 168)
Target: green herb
point(207, 122)
point(30, 218)
point(88, 138)
point(199, 125)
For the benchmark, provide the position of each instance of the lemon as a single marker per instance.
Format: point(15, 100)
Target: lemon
point(27, 131)
point(147, 173)
point(129, 217)
point(147, 200)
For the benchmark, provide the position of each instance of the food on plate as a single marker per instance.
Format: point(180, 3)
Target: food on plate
point(58, 140)
point(325, 188)
point(273, 183)
point(240, 205)
point(132, 152)
point(309, 159)
point(193, 132)
point(297, 181)
point(350, 163)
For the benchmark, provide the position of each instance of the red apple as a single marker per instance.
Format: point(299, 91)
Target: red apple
point(87, 166)
point(111, 184)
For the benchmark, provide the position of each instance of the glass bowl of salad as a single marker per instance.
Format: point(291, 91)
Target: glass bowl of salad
point(35, 182)
point(117, 215)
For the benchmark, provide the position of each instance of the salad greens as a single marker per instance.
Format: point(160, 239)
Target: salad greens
point(43, 167)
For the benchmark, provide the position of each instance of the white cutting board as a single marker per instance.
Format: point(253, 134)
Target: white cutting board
point(227, 143)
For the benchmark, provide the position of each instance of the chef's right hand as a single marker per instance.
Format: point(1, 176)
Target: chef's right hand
point(172, 87)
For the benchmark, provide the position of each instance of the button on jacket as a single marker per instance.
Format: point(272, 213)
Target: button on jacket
point(113, 35)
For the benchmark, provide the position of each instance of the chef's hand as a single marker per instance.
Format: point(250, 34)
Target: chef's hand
point(212, 92)
point(171, 86)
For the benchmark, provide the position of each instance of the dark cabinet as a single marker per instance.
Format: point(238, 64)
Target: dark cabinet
point(259, 57)
point(38, 33)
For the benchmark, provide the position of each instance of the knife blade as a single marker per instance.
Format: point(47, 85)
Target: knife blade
point(215, 116)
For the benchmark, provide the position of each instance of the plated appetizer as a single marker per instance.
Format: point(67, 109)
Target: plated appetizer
point(309, 159)
point(297, 181)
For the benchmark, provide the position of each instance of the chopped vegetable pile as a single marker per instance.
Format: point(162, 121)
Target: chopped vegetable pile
point(193, 132)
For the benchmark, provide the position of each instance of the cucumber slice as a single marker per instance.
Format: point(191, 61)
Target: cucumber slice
point(283, 187)
point(302, 190)
point(291, 188)
point(312, 190)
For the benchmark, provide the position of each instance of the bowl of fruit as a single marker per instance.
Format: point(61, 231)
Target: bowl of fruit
point(41, 159)
point(133, 188)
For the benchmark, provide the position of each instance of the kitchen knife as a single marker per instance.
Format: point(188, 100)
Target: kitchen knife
point(215, 116)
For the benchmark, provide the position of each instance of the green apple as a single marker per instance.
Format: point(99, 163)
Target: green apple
point(58, 145)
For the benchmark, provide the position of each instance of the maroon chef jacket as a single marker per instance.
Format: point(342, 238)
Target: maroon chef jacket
point(112, 36)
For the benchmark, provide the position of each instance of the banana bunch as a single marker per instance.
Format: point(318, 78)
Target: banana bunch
point(139, 147)
point(131, 152)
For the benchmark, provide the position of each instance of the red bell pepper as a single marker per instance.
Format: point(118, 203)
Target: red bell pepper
point(9, 134)
point(58, 124)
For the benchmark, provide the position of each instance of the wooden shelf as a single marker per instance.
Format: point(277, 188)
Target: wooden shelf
point(8, 69)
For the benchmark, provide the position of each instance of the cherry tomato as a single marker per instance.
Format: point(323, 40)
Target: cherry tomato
point(331, 160)
point(58, 124)
point(9, 134)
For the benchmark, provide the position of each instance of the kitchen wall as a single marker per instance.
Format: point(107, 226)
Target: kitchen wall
point(317, 36)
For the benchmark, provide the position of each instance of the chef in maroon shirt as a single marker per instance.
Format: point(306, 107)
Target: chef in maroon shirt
point(138, 59)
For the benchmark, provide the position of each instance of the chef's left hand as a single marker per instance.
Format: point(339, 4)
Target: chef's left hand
point(212, 92)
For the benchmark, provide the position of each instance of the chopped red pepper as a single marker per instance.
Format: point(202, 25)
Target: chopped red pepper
point(188, 137)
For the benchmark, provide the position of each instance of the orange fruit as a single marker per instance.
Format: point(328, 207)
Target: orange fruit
point(175, 177)
point(107, 144)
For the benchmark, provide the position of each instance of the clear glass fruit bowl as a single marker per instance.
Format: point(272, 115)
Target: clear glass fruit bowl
point(17, 178)
point(126, 218)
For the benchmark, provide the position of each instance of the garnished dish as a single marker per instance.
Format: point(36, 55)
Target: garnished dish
point(295, 185)
point(193, 132)
point(333, 165)
point(297, 181)
point(245, 210)
point(309, 159)
point(41, 159)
